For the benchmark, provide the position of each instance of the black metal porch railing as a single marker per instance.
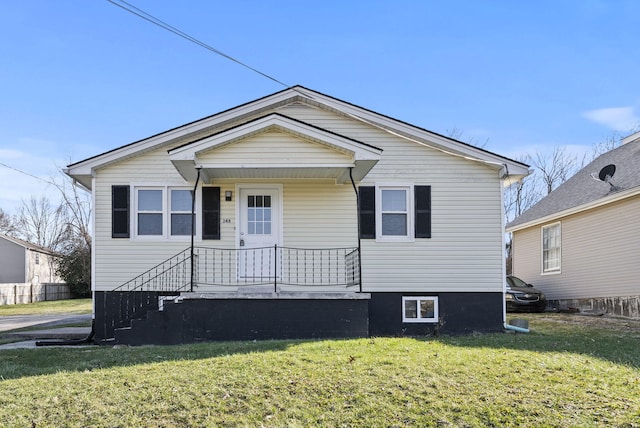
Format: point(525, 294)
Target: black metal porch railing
point(172, 275)
point(335, 267)
point(278, 266)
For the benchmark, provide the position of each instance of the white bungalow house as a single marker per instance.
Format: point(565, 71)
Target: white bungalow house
point(311, 217)
point(581, 243)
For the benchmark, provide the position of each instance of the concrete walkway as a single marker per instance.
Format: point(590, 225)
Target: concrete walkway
point(47, 332)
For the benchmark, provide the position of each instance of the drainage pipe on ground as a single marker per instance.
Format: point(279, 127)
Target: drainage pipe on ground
point(71, 342)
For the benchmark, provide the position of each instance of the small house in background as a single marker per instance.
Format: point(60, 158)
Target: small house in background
point(581, 243)
point(28, 273)
point(296, 215)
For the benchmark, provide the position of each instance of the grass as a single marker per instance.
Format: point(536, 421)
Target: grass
point(570, 370)
point(72, 306)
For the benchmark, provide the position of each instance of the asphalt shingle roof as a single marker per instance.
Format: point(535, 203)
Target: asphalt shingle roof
point(582, 188)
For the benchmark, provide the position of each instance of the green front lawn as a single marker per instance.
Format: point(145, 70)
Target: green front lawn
point(570, 370)
point(72, 306)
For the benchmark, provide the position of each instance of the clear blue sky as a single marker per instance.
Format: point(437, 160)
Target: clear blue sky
point(78, 78)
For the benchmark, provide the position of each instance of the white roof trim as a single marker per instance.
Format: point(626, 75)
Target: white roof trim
point(580, 208)
point(631, 138)
point(83, 171)
point(360, 151)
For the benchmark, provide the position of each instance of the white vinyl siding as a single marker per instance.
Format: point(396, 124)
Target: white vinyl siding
point(274, 147)
point(600, 254)
point(463, 255)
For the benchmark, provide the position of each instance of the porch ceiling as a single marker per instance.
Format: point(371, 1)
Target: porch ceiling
point(339, 173)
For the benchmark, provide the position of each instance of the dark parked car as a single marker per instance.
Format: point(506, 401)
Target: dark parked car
point(521, 296)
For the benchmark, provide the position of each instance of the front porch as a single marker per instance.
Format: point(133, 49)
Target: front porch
point(206, 294)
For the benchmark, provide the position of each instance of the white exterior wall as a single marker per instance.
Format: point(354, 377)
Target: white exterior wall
point(600, 254)
point(464, 253)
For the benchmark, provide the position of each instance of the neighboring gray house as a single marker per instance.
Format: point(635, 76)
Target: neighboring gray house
point(313, 218)
point(25, 268)
point(581, 243)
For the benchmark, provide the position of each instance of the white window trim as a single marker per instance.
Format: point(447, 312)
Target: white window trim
point(559, 269)
point(410, 236)
point(435, 317)
point(166, 212)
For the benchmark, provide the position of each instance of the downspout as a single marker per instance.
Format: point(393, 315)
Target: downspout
point(355, 189)
point(193, 224)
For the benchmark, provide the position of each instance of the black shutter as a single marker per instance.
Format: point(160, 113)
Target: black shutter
point(423, 211)
point(119, 211)
point(367, 214)
point(210, 213)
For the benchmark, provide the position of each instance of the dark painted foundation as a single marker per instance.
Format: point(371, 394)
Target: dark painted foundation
point(459, 313)
point(307, 316)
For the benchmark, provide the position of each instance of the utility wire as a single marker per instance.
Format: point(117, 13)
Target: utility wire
point(25, 173)
point(152, 19)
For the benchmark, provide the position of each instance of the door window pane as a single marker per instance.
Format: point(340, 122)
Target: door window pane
point(259, 215)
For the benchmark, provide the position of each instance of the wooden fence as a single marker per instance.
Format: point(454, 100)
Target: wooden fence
point(12, 294)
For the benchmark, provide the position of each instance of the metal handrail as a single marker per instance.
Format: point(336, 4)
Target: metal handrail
point(278, 266)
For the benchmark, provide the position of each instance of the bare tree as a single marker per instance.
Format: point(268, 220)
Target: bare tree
point(7, 226)
point(40, 222)
point(556, 168)
point(77, 206)
point(522, 195)
point(458, 134)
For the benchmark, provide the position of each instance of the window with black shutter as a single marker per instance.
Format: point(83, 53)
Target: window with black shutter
point(119, 211)
point(210, 213)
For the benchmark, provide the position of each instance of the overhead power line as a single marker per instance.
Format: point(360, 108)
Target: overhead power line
point(25, 173)
point(152, 19)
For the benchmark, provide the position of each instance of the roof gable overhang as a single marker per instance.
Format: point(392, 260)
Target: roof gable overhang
point(614, 197)
point(510, 170)
point(356, 159)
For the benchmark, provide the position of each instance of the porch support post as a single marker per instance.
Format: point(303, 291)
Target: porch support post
point(355, 189)
point(275, 268)
point(193, 226)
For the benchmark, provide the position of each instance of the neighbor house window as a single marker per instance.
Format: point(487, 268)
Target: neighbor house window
point(419, 309)
point(163, 211)
point(394, 211)
point(551, 246)
point(37, 258)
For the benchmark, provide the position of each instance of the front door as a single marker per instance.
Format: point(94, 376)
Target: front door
point(259, 233)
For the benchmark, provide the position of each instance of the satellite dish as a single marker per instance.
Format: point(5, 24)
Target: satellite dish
point(605, 175)
point(607, 172)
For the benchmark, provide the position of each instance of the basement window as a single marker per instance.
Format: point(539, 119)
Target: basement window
point(420, 309)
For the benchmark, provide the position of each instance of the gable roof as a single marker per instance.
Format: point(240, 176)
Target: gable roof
point(27, 245)
point(584, 191)
point(83, 171)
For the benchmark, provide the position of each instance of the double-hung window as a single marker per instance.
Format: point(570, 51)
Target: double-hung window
point(394, 213)
point(420, 309)
point(180, 206)
point(150, 212)
point(551, 248)
point(163, 211)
